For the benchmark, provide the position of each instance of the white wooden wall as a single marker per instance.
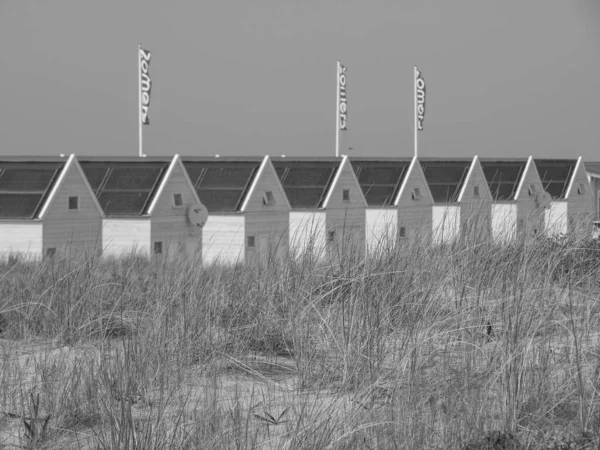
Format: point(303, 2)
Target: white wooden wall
point(223, 239)
point(556, 219)
point(446, 223)
point(381, 228)
point(23, 237)
point(307, 230)
point(504, 221)
point(122, 236)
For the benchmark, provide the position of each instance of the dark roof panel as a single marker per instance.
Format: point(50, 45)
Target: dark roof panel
point(124, 187)
point(445, 178)
point(380, 180)
point(222, 185)
point(503, 177)
point(19, 206)
point(306, 182)
point(556, 175)
point(24, 186)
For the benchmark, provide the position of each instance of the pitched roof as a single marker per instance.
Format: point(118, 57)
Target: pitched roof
point(380, 178)
point(306, 181)
point(503, 176)
point(124, 186)
point(222, 184)
point(25, 184)
point(556, 175)
point(445, 177)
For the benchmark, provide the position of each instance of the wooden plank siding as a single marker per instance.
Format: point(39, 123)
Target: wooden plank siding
point(530, 218)
point(22, 237)
point(581, 205)
point(504, 221)
point(415, 216)
point(72, 231)
point(476, 210)
point(346, 219)
point(445, 223)
point(381, 227)
point(556, 218)
point(170, 224)
point(122, 237)
point(307, 233)
point(223, 239)
point(268, 224)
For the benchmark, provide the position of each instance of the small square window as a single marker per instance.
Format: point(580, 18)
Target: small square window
point(532, 189)
point(268, 198)
point(330, 235)
point(74, 203)
point(50, 252)
point(250, 241)
point(581, 189)
point(402, 232)
point(346, 195)
point(416, 194)
point(158, 248)
point(177, 200)
point(475, 191)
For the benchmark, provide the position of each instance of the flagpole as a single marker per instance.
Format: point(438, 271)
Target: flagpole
point(415, 115)
point(139, 107)
point(337, 111)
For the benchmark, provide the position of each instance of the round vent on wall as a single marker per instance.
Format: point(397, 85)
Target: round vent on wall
point(543, 200)
point(197, 216)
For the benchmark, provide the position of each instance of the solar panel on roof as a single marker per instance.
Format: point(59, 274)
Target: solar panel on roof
point(220, 200)
point(122, 202)
point(305, 197)
point(19, 206)
point(379, 195)
point(134, 179)
point(95, 175)
point(445, 178)
point(503, 177)
point(25, 180)
point(300, 176)
point(226, 177)
point(555, 176)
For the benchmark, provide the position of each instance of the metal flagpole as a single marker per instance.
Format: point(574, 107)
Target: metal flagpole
point(337, 111)
point(139, 58)
point(415, 115)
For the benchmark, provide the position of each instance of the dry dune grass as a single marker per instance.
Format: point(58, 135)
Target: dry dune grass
point(468, 346)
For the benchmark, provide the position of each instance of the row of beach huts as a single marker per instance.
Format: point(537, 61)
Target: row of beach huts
point(235, 209)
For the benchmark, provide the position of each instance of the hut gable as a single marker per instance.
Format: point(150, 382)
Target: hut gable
point(175, 193)
point(414, 191)
point(71, 195)
point(344, 191)
point(266, 192)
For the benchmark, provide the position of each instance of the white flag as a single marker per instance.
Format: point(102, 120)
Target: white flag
point(420, 98)
point(145, 84)
point(343, 104)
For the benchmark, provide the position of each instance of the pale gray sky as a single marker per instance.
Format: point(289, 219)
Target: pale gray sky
point(238, 77)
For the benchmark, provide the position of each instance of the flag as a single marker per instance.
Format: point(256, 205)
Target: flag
point(145, 84)
point(420, 98)
point(342, 100)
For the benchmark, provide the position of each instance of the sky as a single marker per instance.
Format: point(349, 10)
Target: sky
point(505, 78)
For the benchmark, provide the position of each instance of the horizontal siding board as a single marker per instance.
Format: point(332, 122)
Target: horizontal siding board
point(21, 237)
point(307, 231)
point(123, 236)
point(223, 239)
point(381, 228)
point(504, 221)
point(72, 231)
